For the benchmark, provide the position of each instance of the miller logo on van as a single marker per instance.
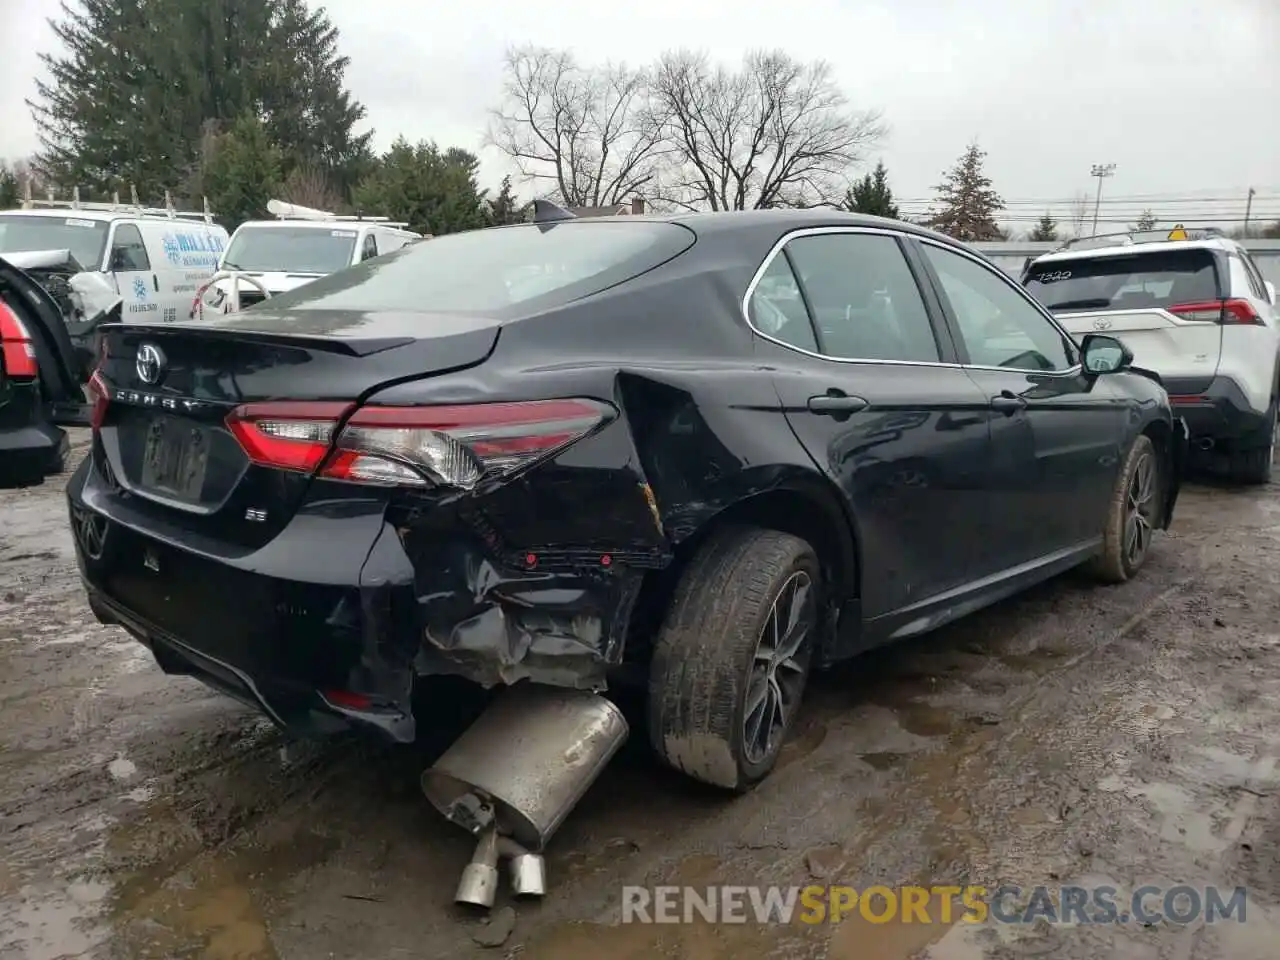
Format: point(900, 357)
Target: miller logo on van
point(192, 249)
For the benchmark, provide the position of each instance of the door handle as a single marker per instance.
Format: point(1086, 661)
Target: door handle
point(835, 403)
point(1008, 403)
point(155, 281)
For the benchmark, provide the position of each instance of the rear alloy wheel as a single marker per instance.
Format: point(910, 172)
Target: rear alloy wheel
point(730, 665)
point(1254, 465)
point(1133, 515)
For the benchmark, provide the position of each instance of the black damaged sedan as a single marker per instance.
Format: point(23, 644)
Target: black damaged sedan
point(712, 451)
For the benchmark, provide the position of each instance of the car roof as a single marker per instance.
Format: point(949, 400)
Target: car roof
point(106, 216)
point(1223, 244)
point(326, 225)
point(786, 220)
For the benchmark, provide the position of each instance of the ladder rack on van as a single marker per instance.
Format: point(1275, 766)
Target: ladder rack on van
point(133, 208)
point(291, 211)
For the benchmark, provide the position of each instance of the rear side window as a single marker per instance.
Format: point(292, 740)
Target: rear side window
point(500, 271)
point(860, 293)
point(1137, 281)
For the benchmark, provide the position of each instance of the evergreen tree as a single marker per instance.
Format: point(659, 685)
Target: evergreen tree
point(872, 195)
point(244, 172)
point(434, 191)
point(967, 202)
point(1145, 222)
point(1045, 230)
point(504, 209)
point(141, 85)
point(10, 189)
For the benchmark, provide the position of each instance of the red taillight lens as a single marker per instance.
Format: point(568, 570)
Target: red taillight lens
point(1218, 311)
point(16, 348)
point(456, 445)
point(99, 399)
point(288, 436)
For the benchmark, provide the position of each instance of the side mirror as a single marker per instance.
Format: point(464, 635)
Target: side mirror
point(1271, 291)
point(1103, 354)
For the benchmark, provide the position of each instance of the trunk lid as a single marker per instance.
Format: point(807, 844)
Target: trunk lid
point(171, 386)
point(1160, 341)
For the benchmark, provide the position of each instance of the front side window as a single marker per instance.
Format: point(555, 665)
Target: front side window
point(128, 252)
point(864, 299)
point(85, 239)
point(999, 327)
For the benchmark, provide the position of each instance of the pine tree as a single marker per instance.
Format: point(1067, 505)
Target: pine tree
point(10, 190)
point(434, 191)
point(1045, 230)
point(1147, 221)
point(244, 172)
point(967, 202)
point(140, 85)
point(872, 195)
point(503, 209)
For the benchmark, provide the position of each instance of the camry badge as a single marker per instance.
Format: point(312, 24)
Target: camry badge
point(149, 364)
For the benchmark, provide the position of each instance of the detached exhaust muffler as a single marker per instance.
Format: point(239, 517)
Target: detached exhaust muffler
point(514, 776)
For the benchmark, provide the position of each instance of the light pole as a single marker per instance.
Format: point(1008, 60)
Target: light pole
point(1101, 171)
point(1248, 209)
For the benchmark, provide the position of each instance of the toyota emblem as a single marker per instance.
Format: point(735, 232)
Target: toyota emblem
point(149, 364)
point(1102, 323)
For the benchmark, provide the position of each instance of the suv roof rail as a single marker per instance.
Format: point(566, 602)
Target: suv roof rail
point(1178, 232)
point(132, 208)
point(283, 210)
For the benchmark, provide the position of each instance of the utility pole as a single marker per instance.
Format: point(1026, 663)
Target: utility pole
point(1248, 208)
point(1101, 171)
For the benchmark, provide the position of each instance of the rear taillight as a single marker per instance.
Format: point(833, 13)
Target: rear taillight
point(456, 446)
point(99, 399)
point(16, 348)
point(1218, 311)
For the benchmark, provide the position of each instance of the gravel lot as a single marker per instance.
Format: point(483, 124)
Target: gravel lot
point(1076, 734)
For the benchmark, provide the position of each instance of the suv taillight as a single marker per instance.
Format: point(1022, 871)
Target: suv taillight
point(456, 445)
point(1219, 311)
point(16, 348)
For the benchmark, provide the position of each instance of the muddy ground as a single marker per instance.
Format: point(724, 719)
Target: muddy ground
point(1120, 735)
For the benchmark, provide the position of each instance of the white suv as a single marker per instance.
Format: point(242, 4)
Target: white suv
point(1193, 308)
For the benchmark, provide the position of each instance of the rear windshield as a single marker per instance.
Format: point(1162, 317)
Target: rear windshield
point(84, 238)
point(1131, 282)
point(290, 250)
point(500, 271)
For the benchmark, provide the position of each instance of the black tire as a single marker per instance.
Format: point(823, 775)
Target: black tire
point(705, 660)
point(1118, 562)
point(1253, 464)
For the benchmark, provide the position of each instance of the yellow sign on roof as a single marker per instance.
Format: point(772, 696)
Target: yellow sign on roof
point(1178, 232)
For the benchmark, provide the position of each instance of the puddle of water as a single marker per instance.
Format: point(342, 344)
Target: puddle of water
point(883, 760)
point(856, 938)
point(692, 941)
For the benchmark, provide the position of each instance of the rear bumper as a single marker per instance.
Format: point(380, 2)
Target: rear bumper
point(1217, 411)
point(330, 624)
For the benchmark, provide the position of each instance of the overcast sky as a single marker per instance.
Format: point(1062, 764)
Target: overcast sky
point(1178, 94)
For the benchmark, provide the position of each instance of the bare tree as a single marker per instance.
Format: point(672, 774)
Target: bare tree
point(586, 132)
point(773, 133)
point(309, 186)
point(1078, 213)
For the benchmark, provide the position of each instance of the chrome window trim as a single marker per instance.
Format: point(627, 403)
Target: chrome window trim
point(822, 231)
point(1022, 292)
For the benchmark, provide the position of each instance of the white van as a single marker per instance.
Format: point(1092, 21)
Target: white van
point(153, 258)
point(267, 257)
